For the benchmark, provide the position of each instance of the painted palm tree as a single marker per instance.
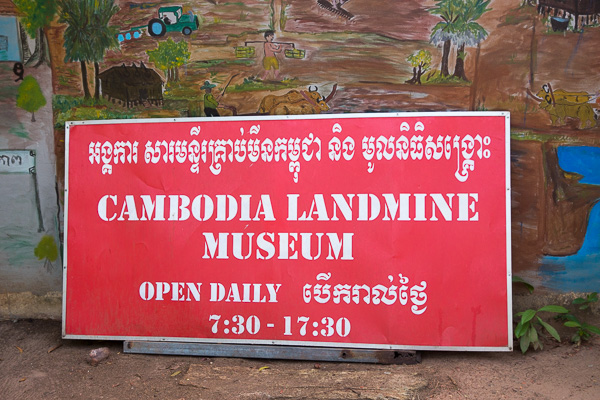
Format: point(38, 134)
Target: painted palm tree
point(104, 38)
point(88, 36)
point(445, 31)
point(468, 32)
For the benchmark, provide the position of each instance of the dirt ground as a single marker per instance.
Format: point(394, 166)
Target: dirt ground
point(35, 363)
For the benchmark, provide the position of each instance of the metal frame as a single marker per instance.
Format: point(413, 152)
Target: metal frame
point(337, 354)
point(371, 346)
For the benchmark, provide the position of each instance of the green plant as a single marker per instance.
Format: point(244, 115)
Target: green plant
point(584, 331)
point(527, 328)
point(585, 302)
point(518, 279)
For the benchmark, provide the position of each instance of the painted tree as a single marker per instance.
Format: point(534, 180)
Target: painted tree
point(458, 27)
point(104, 38)
point(87, 36)
point(420, 61)
point(169, 56)
point(47, 250)
point(468, 32)
point(444, 31)
point(30, 97)
point(36, 16)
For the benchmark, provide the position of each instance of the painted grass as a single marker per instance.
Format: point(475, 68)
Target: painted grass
point(68, 108)
point(251, 84)
point(19, 131)
point(435, 78)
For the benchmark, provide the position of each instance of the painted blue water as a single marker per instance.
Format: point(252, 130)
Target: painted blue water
point(584, 160)
point(579, 272)
point(9, 39)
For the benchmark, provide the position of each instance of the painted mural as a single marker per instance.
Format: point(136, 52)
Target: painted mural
point(107, 59)
point(30, 264)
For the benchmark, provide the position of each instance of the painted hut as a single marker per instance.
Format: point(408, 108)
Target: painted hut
point(131, 85)
point(584, 12)
point(7, 7)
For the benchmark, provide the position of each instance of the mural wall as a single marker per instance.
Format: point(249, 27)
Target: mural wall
point(30, 263)
point(106, 59)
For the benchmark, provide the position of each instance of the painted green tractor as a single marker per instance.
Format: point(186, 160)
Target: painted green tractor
point(173, 19)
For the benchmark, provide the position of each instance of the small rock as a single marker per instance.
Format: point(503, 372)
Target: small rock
point(98, 355)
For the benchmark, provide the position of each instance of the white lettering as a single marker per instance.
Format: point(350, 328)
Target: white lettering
point(102, 207)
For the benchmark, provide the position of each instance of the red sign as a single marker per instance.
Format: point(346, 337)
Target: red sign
point(381, 231)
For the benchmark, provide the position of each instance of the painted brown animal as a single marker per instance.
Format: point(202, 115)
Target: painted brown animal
point(562, 105)
point(296, 102)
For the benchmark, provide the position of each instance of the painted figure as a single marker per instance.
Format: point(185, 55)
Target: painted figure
point(270, 61)
point(210, 103)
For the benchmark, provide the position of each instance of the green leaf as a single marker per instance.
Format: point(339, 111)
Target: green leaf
point(518, 279)
point(524, 343)
point(533, 335)
point(572, 324)
point(521, 329)
point(550, 329)
point(554, 309)
point(527, 316)
point(592, 328)
point(571, 317)
point(585, 335)
point(579, 300)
